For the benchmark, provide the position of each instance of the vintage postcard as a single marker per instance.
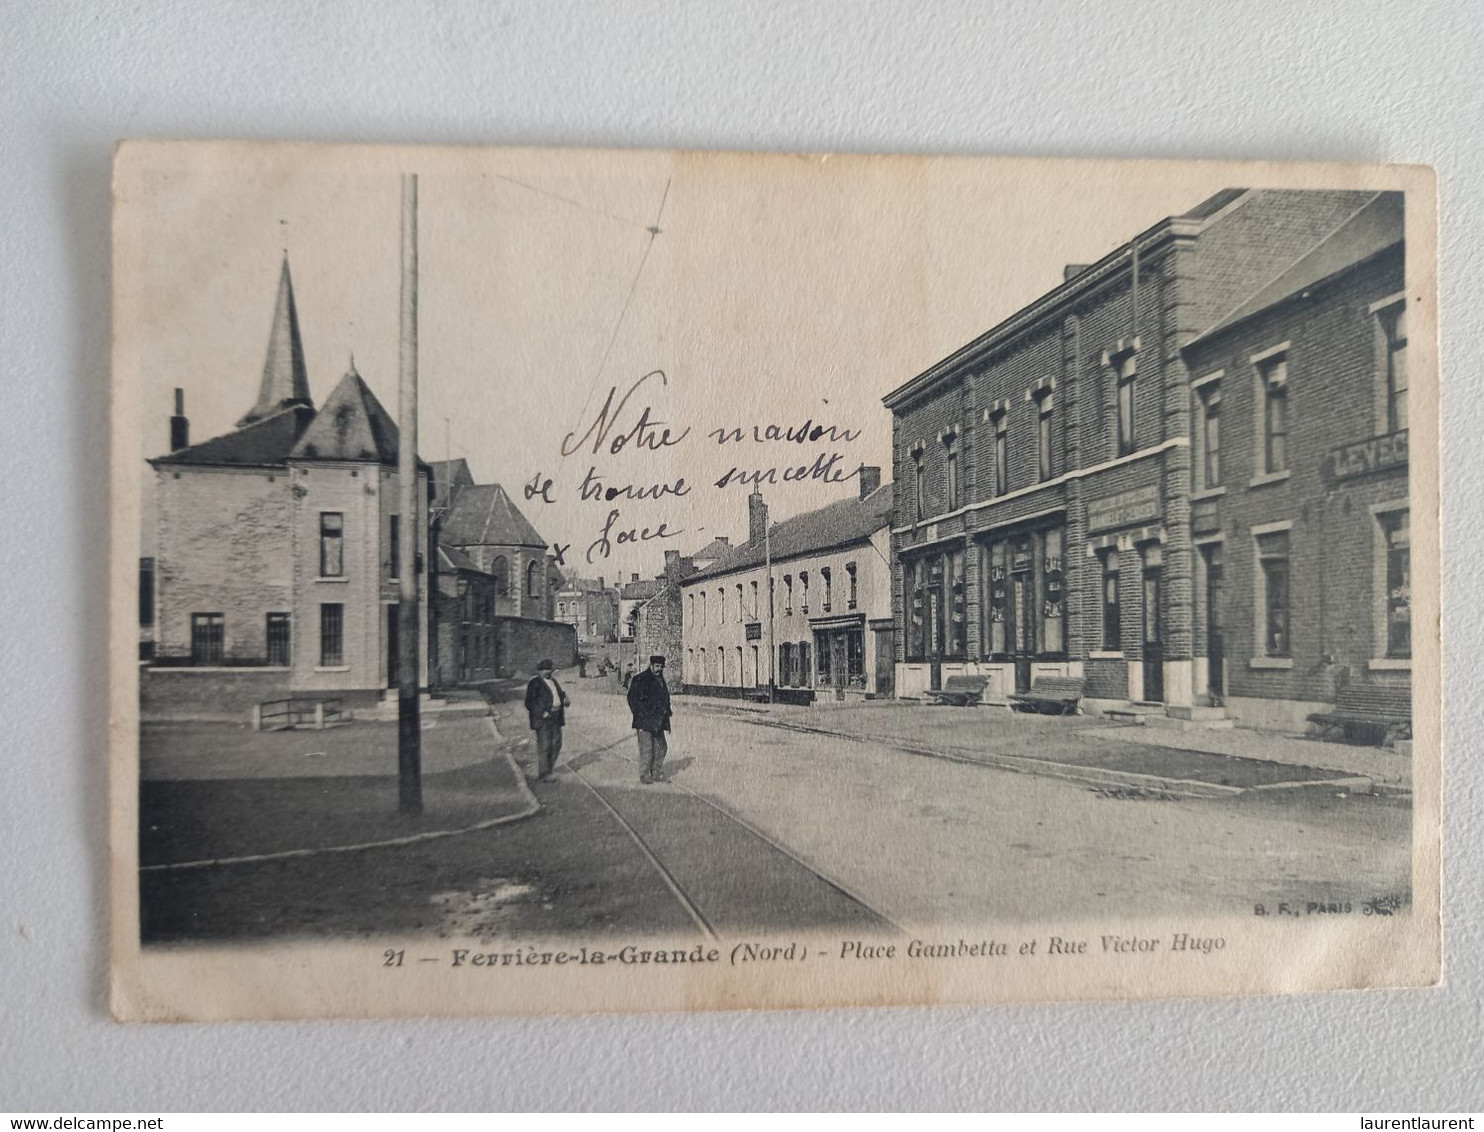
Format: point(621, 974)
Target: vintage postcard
point(560, 581)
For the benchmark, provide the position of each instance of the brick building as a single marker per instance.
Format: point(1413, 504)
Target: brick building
point(1300, 507)
point(277, 543)
point(830, 613)
point(1043, 515)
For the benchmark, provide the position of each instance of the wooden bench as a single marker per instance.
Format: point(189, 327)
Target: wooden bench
point(1382, 712)
point(285, 715)
point(1050, 695)
point(960, 691)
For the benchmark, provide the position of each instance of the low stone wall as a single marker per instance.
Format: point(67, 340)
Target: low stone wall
point(228, 695)
point(524, 642)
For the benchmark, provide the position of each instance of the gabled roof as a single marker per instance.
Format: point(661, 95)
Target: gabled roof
point(584, 585)
point(641, 590)
point(483, 515)
point(351, 426)
point(285, 380)
point(839, 524)
point(1377, 226)
point(264, 442)
point(451, 558)
point(449, 476)
point(717, 548)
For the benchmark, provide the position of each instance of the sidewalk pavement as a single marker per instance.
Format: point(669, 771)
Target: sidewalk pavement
point(1089, 748)
point(215, 791)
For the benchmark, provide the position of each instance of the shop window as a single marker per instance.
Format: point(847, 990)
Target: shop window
point(331, 544)
point(1396, 573)
point(1273, 598)
point(1272, 385)
point(1112, 625)
point(331, 635)
point(917, 629)
point(1208, 435)
point(854, 592)
point(825, 676)
point(957, 643)
point(1053, 593)
point(855, 658)
point(1393, 322)
point(208, 635)
point(994, 579)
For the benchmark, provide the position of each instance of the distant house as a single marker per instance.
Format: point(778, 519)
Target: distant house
point(590, 606)
point(820, 620)
point(277, 544)
point(631, 595)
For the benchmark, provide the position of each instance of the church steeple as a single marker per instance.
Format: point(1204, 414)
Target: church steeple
point(285, 380)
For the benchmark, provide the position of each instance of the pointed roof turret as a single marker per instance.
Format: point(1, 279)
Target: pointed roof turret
point(351, 426)
point(285, 380)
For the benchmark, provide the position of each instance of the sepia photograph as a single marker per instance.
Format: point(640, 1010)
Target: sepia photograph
point(553, 581)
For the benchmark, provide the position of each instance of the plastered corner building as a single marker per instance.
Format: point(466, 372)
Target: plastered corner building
point(276, 565)
point(1180, 476)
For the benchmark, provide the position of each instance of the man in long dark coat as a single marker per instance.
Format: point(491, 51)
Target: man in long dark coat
point(649, 700)
point(546, 705)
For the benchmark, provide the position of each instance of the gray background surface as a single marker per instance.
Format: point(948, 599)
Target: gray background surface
point(1360, 81)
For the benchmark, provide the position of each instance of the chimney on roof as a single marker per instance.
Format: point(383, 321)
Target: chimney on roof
point(870, 478)
point(180, 427)
point(633, 577)
point(602, 582)
point(757, 518)
point(1072, 270)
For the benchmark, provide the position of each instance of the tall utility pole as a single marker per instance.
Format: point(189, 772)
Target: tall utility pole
point(409, 717)
point(772, 648)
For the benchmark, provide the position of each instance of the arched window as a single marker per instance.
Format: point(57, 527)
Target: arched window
point(533, 580)
point(500, 568)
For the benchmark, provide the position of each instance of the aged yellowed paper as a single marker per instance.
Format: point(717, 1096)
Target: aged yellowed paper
point(560, 581)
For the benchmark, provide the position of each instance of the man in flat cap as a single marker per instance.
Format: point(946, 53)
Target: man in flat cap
point(649, 700)
point(545, 705)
